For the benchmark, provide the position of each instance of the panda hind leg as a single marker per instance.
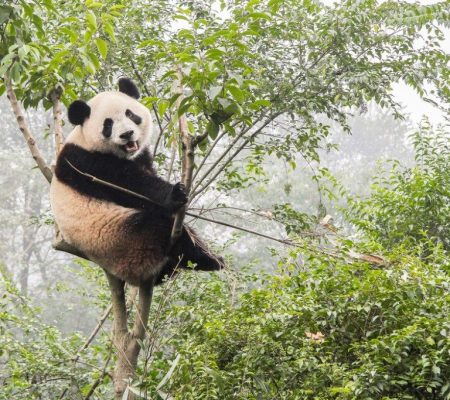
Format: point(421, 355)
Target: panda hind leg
point(190, 247)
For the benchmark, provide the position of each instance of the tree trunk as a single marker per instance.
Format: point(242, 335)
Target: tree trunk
point(127, 342)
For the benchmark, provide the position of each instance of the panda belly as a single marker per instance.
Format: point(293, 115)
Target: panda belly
point(102, 230)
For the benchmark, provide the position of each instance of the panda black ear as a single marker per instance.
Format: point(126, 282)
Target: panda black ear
point(78, 112)
point(128, 87)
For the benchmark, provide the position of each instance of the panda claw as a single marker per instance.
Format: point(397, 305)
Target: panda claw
point(178, 196)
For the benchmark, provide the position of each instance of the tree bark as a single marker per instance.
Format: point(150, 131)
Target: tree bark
point(26, 132)
point(127, 343)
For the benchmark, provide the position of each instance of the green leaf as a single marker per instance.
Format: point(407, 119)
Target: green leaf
point(109, 30)
point(72, 34)
point(102, 47)
point(185, 104)
point(162, 107)
point(213, 129)
point(91, 20)
point(5, 13)
point(260, 103)
point(166, 377)
point(214, 91)
point(237, 93)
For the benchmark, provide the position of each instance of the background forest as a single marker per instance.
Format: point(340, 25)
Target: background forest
point(302, 136)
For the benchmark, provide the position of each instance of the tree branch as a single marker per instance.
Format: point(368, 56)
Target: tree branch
point(197, 190)
point(99, 380)
point(55, 97)
point(187, 162)
point(26, 132)
point(94, 332)
point(147, 92)
point(208, 153)
point(60, 244)
point(140, 196)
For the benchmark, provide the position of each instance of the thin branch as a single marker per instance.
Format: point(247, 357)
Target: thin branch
point(187, 162)
point(197, 190)
point(140, 196)
point(283, 241)
point(55, 97)
point(155, 111)
point(220, 158)
point(25, 129)
point(60, 244)
point(112, 185)
point(172, 159)
point(94, 332)
point(100, 378)
point(211, 148)
point(139, 76)
point(161, 132)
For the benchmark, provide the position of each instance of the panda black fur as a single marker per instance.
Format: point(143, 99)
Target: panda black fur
point(126, 236)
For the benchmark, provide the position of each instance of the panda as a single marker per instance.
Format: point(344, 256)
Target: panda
point(126, 236)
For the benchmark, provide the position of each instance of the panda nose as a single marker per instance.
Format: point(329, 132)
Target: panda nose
point(126, 135)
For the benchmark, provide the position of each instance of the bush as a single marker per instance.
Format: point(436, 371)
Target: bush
point(328, 330)
point(411, 206)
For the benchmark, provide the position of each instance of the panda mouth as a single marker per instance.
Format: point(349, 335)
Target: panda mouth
point(131, 147)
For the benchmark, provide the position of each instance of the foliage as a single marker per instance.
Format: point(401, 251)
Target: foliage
point(410, 206)
point(260, 77)
point(321, 329)
point(36, 360)
point(246, 66)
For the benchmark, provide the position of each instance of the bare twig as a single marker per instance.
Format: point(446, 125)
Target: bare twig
point(25, 129)
point(172, 159)
point(208, 153)
point(99, 380)
point(197, 189)
point(220, 158)
point(155, 111)
point(283, 241)
point(94, 332)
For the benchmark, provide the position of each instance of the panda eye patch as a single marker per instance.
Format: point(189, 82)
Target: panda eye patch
point(107, 127)
point(135, 118)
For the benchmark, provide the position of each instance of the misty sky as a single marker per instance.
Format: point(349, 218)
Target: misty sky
point(415, 107)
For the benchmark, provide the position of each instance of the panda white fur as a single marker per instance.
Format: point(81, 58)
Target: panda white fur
point(128, 237)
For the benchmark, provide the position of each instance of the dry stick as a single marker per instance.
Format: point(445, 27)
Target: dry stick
point(25, 129)
point(140, 196)
point(91, 337)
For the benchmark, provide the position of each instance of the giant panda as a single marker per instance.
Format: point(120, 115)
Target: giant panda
point(128, 237)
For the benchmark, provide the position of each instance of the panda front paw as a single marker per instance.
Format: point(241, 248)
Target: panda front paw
point(178, 197)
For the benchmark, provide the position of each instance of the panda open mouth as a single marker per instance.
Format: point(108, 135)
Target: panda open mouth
point(131, 147)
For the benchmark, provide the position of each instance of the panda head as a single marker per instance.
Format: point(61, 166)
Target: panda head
point(112, 122)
